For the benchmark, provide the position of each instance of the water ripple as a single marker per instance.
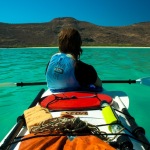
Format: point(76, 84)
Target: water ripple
point(28, 65)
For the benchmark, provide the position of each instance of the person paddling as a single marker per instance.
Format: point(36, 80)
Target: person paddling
point(65, 71)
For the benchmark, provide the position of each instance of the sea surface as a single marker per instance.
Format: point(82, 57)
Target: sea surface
point(28, 65)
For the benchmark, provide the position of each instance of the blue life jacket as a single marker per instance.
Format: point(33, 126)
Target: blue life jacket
point(60, 73)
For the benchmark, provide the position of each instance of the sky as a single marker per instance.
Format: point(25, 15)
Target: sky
point(99, 12)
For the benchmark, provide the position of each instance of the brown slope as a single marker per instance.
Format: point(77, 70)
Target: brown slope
point(45, 34)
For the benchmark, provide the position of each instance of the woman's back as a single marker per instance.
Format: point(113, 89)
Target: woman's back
point(60, 73)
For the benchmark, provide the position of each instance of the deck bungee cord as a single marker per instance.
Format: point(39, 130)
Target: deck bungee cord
point(60, 124)
point(96, 133)
point(119, 136)
point(103, 135)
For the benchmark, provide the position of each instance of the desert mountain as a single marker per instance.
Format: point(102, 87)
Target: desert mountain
point(45, 34)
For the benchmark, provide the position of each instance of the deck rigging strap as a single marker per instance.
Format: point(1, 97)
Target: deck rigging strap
point(57, 98)
point(68, 125)
point(74, 101)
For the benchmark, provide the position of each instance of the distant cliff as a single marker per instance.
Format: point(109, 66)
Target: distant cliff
point(45, 34)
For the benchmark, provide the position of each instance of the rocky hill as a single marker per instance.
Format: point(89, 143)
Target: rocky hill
point(45, 34)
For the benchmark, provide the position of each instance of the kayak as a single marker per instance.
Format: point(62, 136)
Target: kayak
point(105, 115)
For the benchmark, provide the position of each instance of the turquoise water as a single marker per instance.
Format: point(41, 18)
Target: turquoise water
point(28, 65)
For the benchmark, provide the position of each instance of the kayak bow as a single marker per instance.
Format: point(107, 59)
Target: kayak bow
point(19, 125)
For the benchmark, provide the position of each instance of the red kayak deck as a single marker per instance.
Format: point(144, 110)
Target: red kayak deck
point(74, 101)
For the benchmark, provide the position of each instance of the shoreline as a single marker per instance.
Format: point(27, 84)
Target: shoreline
point(82, 47)
point(113, 47)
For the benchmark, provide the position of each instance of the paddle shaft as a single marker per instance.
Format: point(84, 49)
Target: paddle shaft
point(29, 84)
point(144, 81)
point(119, 81)
point(103, 81)
point(19, 125)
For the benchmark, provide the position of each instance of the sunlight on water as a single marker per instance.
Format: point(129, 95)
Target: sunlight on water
point(28, 65)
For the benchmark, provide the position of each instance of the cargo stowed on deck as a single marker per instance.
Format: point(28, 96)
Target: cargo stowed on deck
point(114, 125)
point(79, 114)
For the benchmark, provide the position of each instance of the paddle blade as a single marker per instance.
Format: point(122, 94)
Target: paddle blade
point(144, 81)
point(7, 84)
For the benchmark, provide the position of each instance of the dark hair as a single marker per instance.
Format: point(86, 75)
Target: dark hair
point(70, 42)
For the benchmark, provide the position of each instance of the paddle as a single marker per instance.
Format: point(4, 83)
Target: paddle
point(136, 130)
point(20, 123)
point(144, 81)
